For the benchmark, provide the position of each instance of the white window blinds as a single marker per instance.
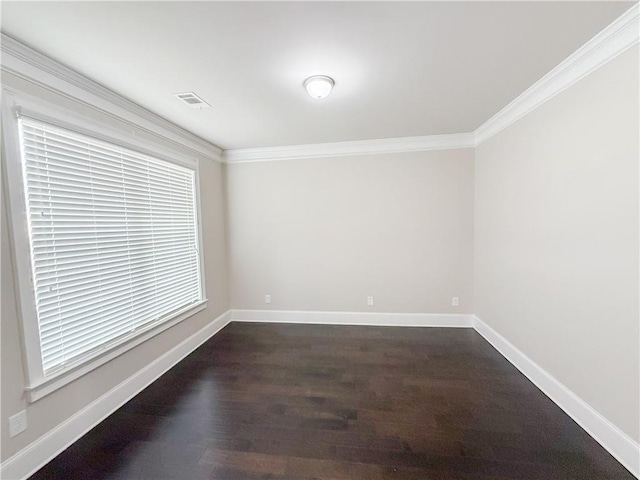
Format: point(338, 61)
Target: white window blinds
point(113, 238)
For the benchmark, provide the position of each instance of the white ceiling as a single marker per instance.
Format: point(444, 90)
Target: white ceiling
point(401, 69)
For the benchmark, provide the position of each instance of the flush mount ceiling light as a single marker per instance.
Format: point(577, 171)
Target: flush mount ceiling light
point(319, 86)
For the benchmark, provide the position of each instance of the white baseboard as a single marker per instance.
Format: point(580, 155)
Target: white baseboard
point(37, 454)
point(355, 318)
point(614, 440)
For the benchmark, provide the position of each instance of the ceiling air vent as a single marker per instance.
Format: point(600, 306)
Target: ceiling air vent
point(192, 100)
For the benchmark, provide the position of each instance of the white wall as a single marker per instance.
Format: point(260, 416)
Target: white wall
point(50, 411)
point(323, 234)
point(556, 238)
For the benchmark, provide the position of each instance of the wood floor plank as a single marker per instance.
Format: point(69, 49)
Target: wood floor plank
point(303, 402)
point(332, 470)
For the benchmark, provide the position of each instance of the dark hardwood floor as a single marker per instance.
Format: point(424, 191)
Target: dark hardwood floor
point(277, 401)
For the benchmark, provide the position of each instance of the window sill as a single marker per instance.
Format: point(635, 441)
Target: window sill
point(82, 367)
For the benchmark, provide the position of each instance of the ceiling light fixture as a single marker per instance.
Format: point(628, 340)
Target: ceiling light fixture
point(319, 86)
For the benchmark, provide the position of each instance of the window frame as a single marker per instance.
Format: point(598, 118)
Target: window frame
point(13, 105)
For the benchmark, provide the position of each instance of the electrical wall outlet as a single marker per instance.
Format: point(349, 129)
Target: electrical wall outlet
point(18, 423)
point(369, 300)
point(267, 299)
point(455, 301)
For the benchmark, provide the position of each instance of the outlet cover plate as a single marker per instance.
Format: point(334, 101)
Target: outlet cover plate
point(17, 423)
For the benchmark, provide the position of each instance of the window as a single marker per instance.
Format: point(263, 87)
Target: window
point(113, 243)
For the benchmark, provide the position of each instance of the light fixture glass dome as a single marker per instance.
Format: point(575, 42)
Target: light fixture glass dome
point(319, 86)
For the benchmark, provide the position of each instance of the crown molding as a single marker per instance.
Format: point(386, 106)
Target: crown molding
point(619, 36)
point(342, 149)
point(35, 67)
point(615, 39)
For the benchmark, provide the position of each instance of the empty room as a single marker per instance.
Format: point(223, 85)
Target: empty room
point(320, 240)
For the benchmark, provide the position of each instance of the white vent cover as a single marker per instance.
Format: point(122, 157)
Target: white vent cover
point(192, 99)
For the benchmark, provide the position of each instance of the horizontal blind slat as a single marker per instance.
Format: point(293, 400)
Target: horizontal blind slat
point(74, 312)
point(105, 148)
point(113, 238)
point(76, 348)
point(58, 259)
point(140, 315)
point(121, 171)
point(84, 302)
point(119, 271)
